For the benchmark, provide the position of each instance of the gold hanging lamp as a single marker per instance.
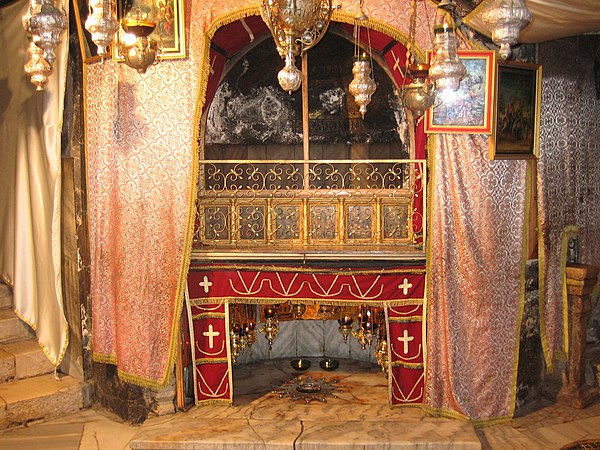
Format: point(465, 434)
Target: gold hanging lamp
point(419, 94)
point(296, 26)
point(362, 86)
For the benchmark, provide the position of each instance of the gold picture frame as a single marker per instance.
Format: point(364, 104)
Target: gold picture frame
point(169, 31)
point(516, 133)
point(471, 108)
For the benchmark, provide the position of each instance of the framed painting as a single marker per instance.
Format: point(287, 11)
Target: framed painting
point(89, 50)
point(170, 26)
point(516, 133)
point(471, 108)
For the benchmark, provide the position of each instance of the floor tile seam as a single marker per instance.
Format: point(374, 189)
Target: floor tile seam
point(299, 434)
point(256, 433)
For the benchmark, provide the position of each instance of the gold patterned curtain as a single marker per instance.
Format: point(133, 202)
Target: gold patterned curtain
point(476, 265)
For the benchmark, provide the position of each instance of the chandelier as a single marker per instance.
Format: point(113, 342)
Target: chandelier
point(506, 19)
point(296, 26)
point(138, 49)
point(362, 86)
point(37, 67)
point(446, 69)
point(419, 94)
point(102, 24)
point(46, 24)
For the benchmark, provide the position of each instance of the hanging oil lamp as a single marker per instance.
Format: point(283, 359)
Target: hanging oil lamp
point(506, 19)
point(366, 326)
point(46, 23)
point(138, 49)
point(446, 69)
point(37, 68)
point(381, 350)
point(271, 326)
point(296, 26)
point(250, 330)
point(362, 86)
point(236, 344)
point(345, 327)
point(298, 310)
point(419, 94)
point(102, 24)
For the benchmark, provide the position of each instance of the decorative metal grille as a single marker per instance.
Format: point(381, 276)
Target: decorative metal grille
point(342, 206)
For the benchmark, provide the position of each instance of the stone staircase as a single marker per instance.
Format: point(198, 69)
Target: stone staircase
point(29, 390)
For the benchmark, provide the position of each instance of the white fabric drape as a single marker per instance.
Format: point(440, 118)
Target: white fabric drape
point(30, 170)
point(552, 19)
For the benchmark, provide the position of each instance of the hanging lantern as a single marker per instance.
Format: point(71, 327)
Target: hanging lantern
point(362, 86)
point(46, 23)
point(446, 69)
point(37, 67)
point(290, 78)
point(296, 26)
point(138, 49)
point(419, 94)
point(506, 19)
point(102, 24)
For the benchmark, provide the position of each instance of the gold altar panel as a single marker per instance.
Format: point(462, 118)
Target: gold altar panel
point(338, 205)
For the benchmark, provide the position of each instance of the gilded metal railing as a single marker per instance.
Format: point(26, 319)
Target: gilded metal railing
point(316, 206)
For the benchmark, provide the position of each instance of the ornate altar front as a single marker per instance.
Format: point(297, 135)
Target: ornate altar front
point(394, 294)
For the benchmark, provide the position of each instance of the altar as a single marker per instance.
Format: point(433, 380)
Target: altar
point(379, 311)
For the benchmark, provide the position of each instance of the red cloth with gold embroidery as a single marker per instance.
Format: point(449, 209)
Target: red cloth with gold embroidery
point(211, 353)
point(400, 290)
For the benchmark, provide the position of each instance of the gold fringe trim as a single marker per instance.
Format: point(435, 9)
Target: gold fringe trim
point(103, 358)
point(541, 298)
point(407, 405)
point(311, 270)
point(230, 17)
point(211, 361)
point(209, 316)
point(405, 319)
point(568, 231)
point(304, 301)
point(214, 402)
point(63, 350)
point(383, 27)
point(431, 149)
point(407, 365)
point(478, 423)
point(521, 310)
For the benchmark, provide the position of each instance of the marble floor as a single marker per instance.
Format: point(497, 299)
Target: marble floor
point(359, 418)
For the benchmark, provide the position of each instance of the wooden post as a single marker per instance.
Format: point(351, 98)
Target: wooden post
point(305, 118)
point(581, 280)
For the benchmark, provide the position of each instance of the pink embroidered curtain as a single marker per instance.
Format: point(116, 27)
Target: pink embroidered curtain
point(477, 230)
point(141, 172)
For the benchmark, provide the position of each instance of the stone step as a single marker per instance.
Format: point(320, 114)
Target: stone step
point(254, 434)
point(23, 359)
point(12, 328)
point(6, 299)
point(41, 397)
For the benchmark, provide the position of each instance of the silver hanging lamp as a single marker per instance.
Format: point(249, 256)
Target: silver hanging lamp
point(506, 19)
